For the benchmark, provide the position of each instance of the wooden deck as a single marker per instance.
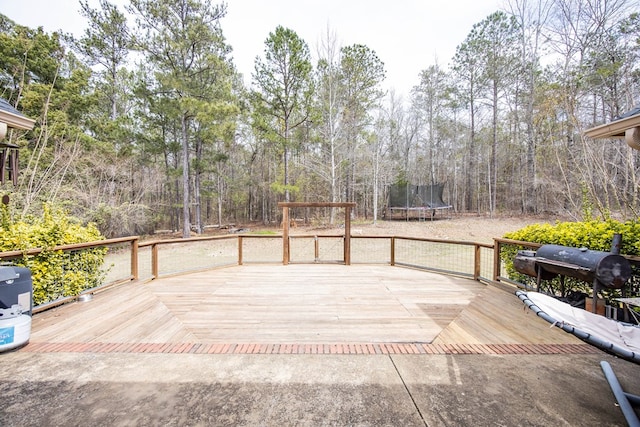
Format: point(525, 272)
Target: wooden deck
point(302, 305)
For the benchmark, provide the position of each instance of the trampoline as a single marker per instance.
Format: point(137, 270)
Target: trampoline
point(415, 201)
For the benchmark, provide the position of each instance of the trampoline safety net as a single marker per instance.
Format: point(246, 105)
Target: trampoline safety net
point(421, 199)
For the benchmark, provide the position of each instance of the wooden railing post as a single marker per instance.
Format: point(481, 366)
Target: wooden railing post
point(239, 250)
point(134, 259)
point(477, 262)
point(316, 248)
point(393, 250)
point(347, 235)
point(154, 261)
point(497, 264)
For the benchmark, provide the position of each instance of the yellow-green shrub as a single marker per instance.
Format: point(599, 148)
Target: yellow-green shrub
point(55, 274)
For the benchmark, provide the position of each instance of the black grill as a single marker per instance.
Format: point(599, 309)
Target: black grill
point(609, 270)
point(600, 269)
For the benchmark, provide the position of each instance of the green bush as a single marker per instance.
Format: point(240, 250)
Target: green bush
point(593, 234)
point(55, 274)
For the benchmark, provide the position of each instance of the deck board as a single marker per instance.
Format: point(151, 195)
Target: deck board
point(301, 304)
point(504, 319)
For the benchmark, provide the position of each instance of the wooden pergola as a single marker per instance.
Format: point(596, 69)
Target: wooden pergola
point(347, 225)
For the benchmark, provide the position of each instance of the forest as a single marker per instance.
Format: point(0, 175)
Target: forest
point(144, 122)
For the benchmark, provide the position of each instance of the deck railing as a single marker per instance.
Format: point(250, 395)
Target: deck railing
point(120, 264)
point(129, 259)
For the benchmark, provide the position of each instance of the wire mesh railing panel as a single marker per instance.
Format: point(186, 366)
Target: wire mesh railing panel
point(179, 257)
point(447, 257)
point(145, 272)
point(261, 249)
point(371, 250)
point(486, 263)
point(70, 273)
point(302, 249)
point(331, 249)
point(117, 263)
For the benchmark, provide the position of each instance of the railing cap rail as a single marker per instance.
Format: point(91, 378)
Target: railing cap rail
point(72, 246)
point(517, 242)
point(188, 239)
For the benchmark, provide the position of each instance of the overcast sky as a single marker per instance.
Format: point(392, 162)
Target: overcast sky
point(407, 35)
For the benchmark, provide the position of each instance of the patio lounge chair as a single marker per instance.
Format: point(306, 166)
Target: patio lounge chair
point(618, 338)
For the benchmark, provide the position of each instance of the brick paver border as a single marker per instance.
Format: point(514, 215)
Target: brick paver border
point(337, 348)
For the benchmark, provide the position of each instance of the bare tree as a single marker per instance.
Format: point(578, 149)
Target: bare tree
point(331, 112)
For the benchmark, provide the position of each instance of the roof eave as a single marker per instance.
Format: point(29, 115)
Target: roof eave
point(614, 129)
point(16, 121)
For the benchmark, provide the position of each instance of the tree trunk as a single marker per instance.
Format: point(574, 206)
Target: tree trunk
point(219, 200)
point(376, 174)
point(186, 222)
point(285, 158)
point(472, 158)
point(493, 186)
point(196, 188)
